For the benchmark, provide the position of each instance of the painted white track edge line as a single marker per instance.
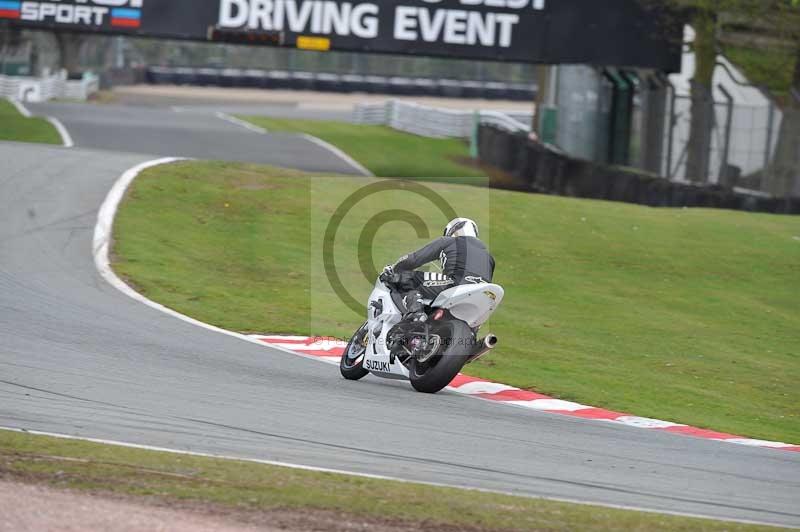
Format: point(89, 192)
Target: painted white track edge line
point(20, 107)
point(66, 138)
point(290, 465)
point(338, 153)
point(311, 138)
point(102, 241)
point(241, 123)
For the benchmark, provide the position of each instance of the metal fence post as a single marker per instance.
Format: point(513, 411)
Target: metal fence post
point(654, 124)
point(726, 150)
point(672, 120)
point(473, 144)
point(770, 124)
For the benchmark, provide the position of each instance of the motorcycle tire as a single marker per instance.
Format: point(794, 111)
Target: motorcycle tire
point(436, 373)
point(352, 367)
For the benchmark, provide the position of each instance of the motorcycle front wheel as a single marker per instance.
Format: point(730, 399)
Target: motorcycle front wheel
point(437, 371)
point(351, 364)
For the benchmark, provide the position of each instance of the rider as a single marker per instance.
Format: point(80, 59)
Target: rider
point(463, 257)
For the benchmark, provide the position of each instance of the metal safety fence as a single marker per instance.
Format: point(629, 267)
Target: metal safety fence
point(40, 89)
point(754, 147)
point(435, 122)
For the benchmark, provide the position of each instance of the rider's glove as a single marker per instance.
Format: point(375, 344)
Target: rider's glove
point(388, 274)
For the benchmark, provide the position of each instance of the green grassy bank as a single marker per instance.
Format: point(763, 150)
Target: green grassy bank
point(688, 315)
point(14, 126)
point(384, 151)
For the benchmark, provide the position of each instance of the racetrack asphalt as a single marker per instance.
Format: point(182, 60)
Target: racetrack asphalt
point(198, 134)
point(80, 358)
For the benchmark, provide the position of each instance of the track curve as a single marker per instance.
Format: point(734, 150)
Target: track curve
point(198, 134)
point(80, 358)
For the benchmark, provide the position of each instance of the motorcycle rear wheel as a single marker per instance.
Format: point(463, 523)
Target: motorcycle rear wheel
point(438, 371)
point(351, 365)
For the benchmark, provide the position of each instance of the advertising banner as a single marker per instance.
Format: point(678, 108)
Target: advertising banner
point(620, 33)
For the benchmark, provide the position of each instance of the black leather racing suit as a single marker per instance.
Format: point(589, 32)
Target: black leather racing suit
point(464, 259)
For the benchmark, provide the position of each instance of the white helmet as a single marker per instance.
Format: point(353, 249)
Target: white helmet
point(461, 227)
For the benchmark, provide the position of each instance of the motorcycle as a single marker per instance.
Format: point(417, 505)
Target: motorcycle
point(429, 351)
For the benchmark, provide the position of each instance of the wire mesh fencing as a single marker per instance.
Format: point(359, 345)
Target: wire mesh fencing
point(638, 119)
point(736, 144)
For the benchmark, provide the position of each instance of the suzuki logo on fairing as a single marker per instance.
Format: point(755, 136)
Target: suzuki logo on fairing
point(374, 365)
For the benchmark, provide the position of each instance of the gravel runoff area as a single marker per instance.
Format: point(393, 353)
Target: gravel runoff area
point(35, 508)
point(26, 507)
point(177, 94)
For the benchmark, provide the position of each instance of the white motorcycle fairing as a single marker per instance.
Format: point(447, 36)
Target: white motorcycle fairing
point(471, 303)
point(382, 315)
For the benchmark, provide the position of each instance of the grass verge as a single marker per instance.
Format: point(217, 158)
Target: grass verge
point(14, 126)
point(244, 488)
point(384, 151)
point(689, 315)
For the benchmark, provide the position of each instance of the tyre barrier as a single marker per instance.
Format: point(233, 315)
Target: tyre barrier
point(451, 88)
point(208, 76)
point(329, 82)
point(278, 79)
point(535, 167)
point(302, 81)
point(230, 77)
point(255, 79)
point(354, 83)
point(377, 84)
point(184, 76)
point(401, 86)
point(164, 76)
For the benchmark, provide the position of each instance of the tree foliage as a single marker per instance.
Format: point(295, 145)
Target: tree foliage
point(769, 25)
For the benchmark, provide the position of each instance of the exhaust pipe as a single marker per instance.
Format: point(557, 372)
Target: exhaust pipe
point(482, 347)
